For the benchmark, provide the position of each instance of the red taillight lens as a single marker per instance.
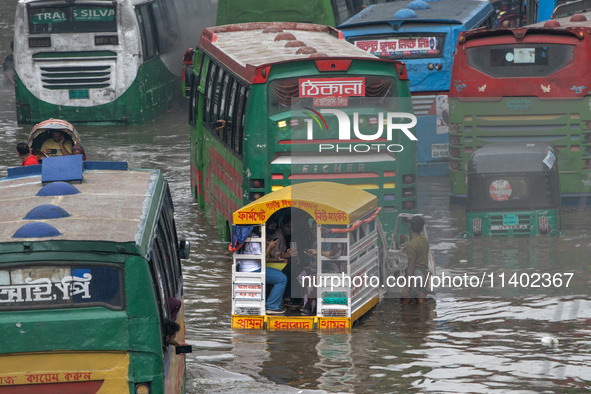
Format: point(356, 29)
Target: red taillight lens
point(438, 66)
point(256, 183)
point(408, 179)
point(408, 205)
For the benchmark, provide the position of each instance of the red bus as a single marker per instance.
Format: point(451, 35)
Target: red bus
point(525, 84)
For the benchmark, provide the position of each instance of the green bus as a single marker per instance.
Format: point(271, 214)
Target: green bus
point(527, 84)
point(88, 273)
point(246, 140)
point(322, 12)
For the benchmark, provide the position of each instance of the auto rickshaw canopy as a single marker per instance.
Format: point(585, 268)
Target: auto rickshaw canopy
point(47, 126)
point(328, 203)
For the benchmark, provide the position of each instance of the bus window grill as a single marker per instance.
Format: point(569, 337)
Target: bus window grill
point(76, 77)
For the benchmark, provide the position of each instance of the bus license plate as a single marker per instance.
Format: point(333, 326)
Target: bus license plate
point(439, 150)
point(510, 220)
point(78, 94)
point(512, 227)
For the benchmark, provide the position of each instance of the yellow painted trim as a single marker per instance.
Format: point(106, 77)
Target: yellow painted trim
point(248, 322)
point(274, 188)
point(64, 367)
point(291, 323)
point(364, 186)
point(574, 116)
point(389, 185)
point(363, 310)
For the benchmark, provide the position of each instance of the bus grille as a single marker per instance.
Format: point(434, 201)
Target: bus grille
point(76, 77)
point(497, 220)
point(421, 105)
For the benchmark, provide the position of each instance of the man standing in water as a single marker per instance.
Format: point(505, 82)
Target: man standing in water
point(418, 263)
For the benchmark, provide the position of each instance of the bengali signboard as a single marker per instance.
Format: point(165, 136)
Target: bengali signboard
point(403, 46)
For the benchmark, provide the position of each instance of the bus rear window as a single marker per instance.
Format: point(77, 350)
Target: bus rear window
point(521, 60)
point(336, 91)
point(79, 18)
point(403, 47)
point(58, 286)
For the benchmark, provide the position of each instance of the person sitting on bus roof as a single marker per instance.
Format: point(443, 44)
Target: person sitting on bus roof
point(418, 263)
point(24, 152)
point(79, 150)
point(272, 277)
point(57, 145)
point(171, 328)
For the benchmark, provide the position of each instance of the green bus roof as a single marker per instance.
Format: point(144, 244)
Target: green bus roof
point(112, 206)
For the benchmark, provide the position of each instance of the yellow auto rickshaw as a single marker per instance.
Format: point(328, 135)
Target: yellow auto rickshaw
point(346, 283)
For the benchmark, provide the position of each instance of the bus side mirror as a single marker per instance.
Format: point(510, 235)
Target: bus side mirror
point(184, 249)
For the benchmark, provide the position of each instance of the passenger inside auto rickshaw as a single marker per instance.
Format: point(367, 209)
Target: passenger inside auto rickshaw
point(57, 145)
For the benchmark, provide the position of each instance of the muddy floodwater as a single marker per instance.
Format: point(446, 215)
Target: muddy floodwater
point(470, 339)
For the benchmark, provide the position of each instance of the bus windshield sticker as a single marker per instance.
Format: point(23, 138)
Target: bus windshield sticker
point(549, 159)
point(525, 55)
point(49, 17)
point(500, 190)
point(49, 286)
point(93, 14)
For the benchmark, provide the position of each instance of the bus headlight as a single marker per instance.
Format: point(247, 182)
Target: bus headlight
point(142, 388)
point(282, 124)
point(543, 225)
point(477, 227)
point(454, 128)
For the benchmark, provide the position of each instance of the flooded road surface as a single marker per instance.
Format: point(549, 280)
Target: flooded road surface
point(474, 340)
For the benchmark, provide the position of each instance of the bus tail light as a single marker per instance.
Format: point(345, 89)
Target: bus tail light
point(587, 163)
point(587, 151)
point(543, 225)
point(282, 124)
point(408, 192)
point(409, 205)
point(587, 137)
point(454, 165)
point(438, 66)
point(454, 128)
point(373, 120)
point(252, 196)
point(256, 183)
point(408, 179)
point(477, 227)
point(588, 124)
point(294, 123)
point(142, 388)
point(454, 140)
point(454, 152)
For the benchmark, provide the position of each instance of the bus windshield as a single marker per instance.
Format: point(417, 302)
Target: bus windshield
point(58, 286)
point(520, 60)
point(337, 91)
point(419, 45)
point(79, 18)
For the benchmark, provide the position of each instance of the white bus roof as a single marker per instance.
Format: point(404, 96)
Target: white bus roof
point(111, 206)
